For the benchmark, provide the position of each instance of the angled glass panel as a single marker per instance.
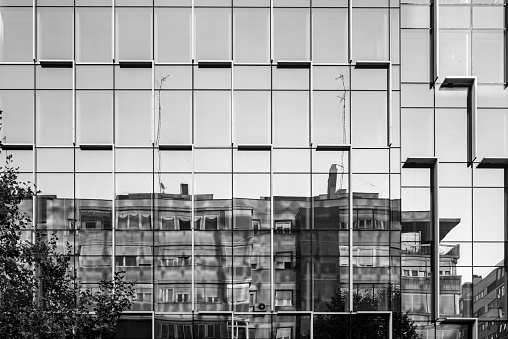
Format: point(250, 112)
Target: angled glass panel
point(488, 57)
point(53, 78)
point(369, 119)
point(173, 117)
point(94, 111)
point(252, 117)
point(17, 116)
point(15, 76)
point(291, 118)
point(172, 34)
point(55, 160)
point(417, 132)
point(94, 77)
point(291, 34)
point(454, 52)
point(331, 117)
point(252, 77)
point(415, 53)
point(54, 118)
point(451, 146)
point(492, 131)
point(133, 33)
point(252, 35)
point(330, 35)
point(370, 34)
point(17, 31)
point(213, 34)
point(213, 116)
point(93, 161)
point(55, 33)
point(133, 118)
point(488, 17)
point(93, 34)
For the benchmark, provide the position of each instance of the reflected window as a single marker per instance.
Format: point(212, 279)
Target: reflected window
point(167, 223)
point(17, 30)
point(283, 261)
point(283, 226)
point(183, 296)
point(256, 226)
point(184, 223)
point(283, 333)
point(283, 298)
point(211, 223)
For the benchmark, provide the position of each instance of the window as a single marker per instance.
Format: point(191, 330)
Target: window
point(283, 226)
point(17, 27)
point(283, 333)
point(166, 295)
point(125, 261)
point(168, 262)
point(256, 226)
point(283, 261)
point(167, 331)
point(145, 297)
point(283, 298)
point(183, 295)
point(210, 223)
point(184, 224)
point(167, 223)
point(184, 331)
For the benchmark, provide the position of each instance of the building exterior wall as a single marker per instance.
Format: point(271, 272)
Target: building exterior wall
point(240, 159)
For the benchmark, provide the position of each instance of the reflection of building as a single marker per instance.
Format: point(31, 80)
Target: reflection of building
point(487, 303)
point(416, 271)
point(228, 252)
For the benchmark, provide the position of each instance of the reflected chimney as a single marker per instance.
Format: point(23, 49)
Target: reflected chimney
point(184, 189)
point(332, 182)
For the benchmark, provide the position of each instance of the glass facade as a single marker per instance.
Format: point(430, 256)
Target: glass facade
point(245, 161)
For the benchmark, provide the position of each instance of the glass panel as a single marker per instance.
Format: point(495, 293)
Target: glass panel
point(17, 116)
point(94, 161)
point(415, 16)
point(213, 34)
point(454, 53)
point(174, 117)
point(329, 35)
point(55, 33)
point(94, 77)
point(252, 117)
point(133, 33)
point(94, 111)
point(52, 78)
point(133, 118)
point(451, 146)
point(17, 31)
point(330, 77)
point(14, 76)
point(290, 78)
point(488, 17)
point(455, 17)
point(94, 186)
point(492, 133)
point(417, 132)
point(291, 34)
point(213, 126)
point(291, 118)
point(55, 160)
point(212, 78)
point(172, 34)
point(252, 77)
point(370, 34)
point(331, 117)
point(59, 184)
point(54, 118)
point(124, 163)
point(173, 77)
point(415, 45)
point(369, 119)
point(252, 32)
point(93, 34)
point(488, 56)
point(133, 78)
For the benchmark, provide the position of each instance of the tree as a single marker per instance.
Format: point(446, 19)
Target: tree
point(364, 326)
point(40, 295)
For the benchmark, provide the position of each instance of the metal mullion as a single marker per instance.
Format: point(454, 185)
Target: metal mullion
point(272, 269)
point(350, 30)
point(193, 234)
point(350, 252)
point(113, 31)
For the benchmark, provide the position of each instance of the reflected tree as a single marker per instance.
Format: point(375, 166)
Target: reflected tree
point(364, 326)
point(40, 295)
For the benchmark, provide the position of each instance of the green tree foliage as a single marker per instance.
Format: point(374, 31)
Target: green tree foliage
point(364, 326)
point(40, 296)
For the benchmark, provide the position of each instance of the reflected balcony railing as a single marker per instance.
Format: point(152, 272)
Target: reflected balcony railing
point(425, 249)
point(450, 283)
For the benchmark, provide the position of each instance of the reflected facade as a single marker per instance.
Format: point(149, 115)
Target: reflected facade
point(242, 160)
